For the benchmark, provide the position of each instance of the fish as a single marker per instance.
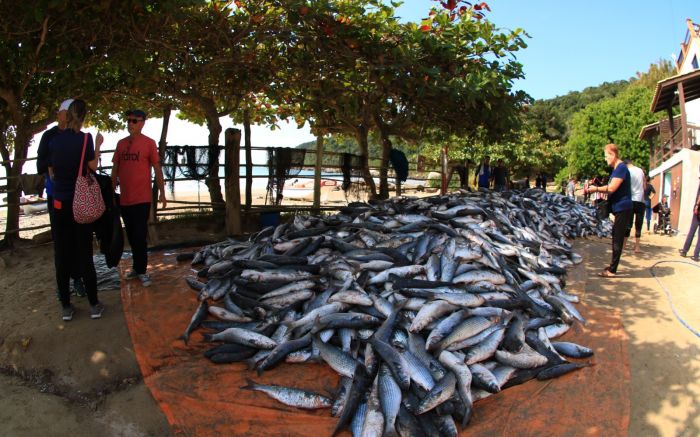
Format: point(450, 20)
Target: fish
point(242, 336)
point(293, 397)
point(197, 318)
point(421, 306)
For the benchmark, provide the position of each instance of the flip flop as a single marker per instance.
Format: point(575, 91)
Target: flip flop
point(606, 274)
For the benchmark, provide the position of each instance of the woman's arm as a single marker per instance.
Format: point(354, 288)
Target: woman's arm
point(612, 186)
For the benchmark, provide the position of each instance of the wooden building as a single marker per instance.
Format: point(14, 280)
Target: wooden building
point(674, 142)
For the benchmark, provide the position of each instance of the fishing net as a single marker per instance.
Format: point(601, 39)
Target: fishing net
point(190, 162)
point(351, 167)
point(282, 163)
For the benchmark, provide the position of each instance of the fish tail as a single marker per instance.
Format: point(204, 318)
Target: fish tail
point(250, 384)
point(390, 431)
point(466, 416)
point(184, 337)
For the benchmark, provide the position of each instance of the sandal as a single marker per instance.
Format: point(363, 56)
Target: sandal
point(606, 274)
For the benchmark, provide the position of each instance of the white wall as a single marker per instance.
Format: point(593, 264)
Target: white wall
point(690, 161)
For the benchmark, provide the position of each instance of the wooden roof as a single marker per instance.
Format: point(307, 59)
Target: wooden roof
point(665, 94)
point(662, 127)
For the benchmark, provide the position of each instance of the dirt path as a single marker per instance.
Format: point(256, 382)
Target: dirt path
point(81, 378)
point(665, 369)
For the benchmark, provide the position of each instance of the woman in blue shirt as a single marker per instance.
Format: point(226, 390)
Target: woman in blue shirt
point(619, 192)
point(72, 241)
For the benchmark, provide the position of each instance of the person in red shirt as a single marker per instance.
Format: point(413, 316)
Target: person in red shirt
point(132, 162)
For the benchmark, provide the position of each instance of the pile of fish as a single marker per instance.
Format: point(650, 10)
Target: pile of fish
point(422, 306)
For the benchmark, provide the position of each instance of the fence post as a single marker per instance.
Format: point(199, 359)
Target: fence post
point(443, 188)
point(232, 151)
point(317, 173)
point(248, 161)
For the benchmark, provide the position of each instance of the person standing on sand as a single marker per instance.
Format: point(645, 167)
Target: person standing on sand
point(42, 167)
point(649, 193)
point(694, 224)
point(619, 193)
point(500, 177)
point(482, 177)
point(73, 241)
point(132, 162)
point(638, 206)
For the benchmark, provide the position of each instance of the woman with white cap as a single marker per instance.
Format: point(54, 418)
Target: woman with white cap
point(72, 241)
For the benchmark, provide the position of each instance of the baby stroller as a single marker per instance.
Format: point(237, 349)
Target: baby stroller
point(663, 222)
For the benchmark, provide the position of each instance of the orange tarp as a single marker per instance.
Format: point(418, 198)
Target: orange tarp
point(204, 399)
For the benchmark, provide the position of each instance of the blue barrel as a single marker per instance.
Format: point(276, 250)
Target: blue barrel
point(269, 219)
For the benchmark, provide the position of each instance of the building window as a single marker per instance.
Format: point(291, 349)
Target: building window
point(695, 63)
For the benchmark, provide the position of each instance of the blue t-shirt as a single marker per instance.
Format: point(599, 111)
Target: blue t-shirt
point(621, 199)
point(485, 176)
point(64, 157)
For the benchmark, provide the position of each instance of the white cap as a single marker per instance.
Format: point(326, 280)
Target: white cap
point(64, 105)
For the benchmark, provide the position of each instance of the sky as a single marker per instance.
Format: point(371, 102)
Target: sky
point(572, 45)
point(576, 44)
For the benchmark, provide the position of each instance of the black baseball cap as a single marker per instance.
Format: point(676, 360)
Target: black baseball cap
point(136, 113)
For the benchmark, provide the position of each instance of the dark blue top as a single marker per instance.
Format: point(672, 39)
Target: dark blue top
point(621, 199)
point(64, 156)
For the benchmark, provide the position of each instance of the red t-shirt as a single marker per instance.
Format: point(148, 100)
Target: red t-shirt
point(135, 157)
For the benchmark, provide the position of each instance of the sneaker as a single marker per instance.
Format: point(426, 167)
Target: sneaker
point(132, 274)
point(96, 311)
point(145, 279)
point(682, 253)
point(79, 288)
point(695, 258)
point(67, 313)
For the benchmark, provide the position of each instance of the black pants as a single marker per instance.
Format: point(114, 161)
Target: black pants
point(73, 253)
point(136, 225)
point(638, 210)
point(619, 231)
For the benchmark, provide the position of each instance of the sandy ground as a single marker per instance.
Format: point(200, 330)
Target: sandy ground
point(81, 377)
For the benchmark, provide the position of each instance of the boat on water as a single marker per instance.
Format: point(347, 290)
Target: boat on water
point(303, 189)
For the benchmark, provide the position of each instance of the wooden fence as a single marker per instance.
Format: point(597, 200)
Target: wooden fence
point(323, 163)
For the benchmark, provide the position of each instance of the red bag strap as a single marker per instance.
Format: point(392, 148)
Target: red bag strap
point(82, 156)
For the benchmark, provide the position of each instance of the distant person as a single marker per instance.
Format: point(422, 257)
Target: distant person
point(638, 206)
point(694, 224)
point(649, 193)
point(586, 193)
point(620, 197)
point(42, 167)
point(500, 176)
point(461, 169)
point(73, 241)
point(132, 162)
point(571, 189)
point(482, 177)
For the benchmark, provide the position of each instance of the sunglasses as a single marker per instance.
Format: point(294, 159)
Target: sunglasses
point(134, 120)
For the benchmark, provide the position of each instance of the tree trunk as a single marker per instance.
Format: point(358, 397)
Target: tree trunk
point(232, 168)
point(248, 161)
point(22, 138)
point(212, 180)
point(386, 151)
point(362, 133)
